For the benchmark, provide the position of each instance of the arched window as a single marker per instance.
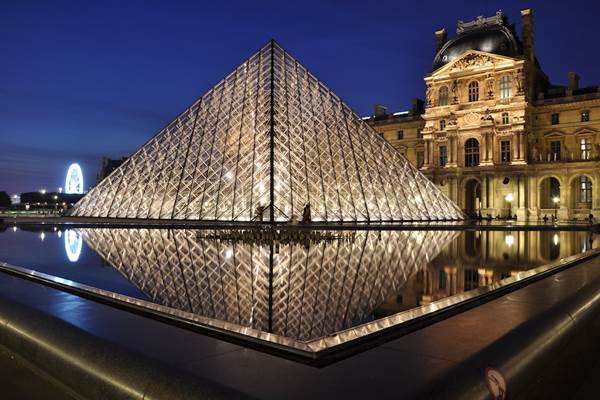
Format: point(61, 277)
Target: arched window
point(506, 87)
point(474, 91)
point(443, 96)
point(471, 153)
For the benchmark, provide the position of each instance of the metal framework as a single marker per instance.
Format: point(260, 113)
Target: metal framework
point(263, 143)
point(302, 291)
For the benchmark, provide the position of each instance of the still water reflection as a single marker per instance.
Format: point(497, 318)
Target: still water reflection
point(302, 286)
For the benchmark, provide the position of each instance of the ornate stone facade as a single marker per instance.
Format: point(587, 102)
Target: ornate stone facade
point(495, 135)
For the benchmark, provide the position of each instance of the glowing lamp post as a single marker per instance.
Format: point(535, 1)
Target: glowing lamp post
point(509, 199)
point(555, 200)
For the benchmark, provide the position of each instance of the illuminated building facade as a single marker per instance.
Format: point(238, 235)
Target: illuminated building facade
point(495, 134)
point(271, 143)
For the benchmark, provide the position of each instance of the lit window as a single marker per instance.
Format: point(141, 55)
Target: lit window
point(506, 87)
point(585, 194)
point(443, 156)
point(585, 116)
point(474, 91)
point(555, 119)
point(443, 96)
point(442, 124)
point(400, 134)
point(505, 151)
point(420, 159)
point(505, 119)
point(555, 150)
point(471, 153)
point(585, 147)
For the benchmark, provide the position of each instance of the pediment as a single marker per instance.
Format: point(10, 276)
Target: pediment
point(473, 59)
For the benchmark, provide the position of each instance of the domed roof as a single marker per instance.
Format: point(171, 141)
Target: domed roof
point(489, 35)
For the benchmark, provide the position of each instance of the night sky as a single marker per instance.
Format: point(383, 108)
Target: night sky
point(80, 81)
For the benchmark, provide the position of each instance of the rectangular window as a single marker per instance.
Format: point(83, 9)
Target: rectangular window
point(506, 87)
point(585, 116)
point(505, 119)
point(586, 189)
point(555, 150)
point(585, 148)
point(420, 159)
point(442, 125)
point(400, 134)
point(443, 156)
point(505, 151)
point(555, 119)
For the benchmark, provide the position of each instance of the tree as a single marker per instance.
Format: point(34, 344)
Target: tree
point(4, 200)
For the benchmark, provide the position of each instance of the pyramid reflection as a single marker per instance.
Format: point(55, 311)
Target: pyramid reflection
point(302, 290)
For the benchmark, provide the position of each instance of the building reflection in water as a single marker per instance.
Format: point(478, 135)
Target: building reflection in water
point(478, 258)
point(303, 289)
point(312, 286)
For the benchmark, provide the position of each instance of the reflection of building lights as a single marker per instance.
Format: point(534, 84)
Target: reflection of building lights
point(60, 190)
point(27, 206)
point(73, 244)
point(555, 239)
point(509, 240)
point(14, 228)
point(59, 233)
point(42, 236)
point(229, 253)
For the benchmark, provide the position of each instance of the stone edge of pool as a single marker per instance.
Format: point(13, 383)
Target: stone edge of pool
point(553, 341)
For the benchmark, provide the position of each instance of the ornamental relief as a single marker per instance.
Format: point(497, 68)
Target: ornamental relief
point(471, 118)
point(472, 61)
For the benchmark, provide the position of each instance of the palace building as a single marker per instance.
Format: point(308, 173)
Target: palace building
point(494, 134)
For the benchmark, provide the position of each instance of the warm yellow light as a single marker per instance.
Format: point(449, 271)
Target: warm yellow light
point(509, 197)
point(555, 199)
point(509, 240)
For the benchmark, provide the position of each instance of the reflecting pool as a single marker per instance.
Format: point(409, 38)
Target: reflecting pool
point(302, 285)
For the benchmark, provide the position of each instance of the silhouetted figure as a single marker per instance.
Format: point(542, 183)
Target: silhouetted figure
point(260, 210)
point(592, 220)
point(306, 213)
point(545, 218)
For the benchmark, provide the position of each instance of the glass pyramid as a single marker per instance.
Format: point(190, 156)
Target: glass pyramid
point(263, 143)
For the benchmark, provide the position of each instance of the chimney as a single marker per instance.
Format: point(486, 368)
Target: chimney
point(380, 110)
point(418, 106)
point(441, 37)
point(573, 81)
point(527, 22)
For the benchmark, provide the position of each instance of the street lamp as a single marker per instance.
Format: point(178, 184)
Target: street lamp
point(509, 198)
point(555, 200)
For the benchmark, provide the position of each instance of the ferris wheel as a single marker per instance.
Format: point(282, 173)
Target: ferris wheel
point(74, 181)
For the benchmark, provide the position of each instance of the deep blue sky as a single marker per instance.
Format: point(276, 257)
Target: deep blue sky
point(80, 79)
